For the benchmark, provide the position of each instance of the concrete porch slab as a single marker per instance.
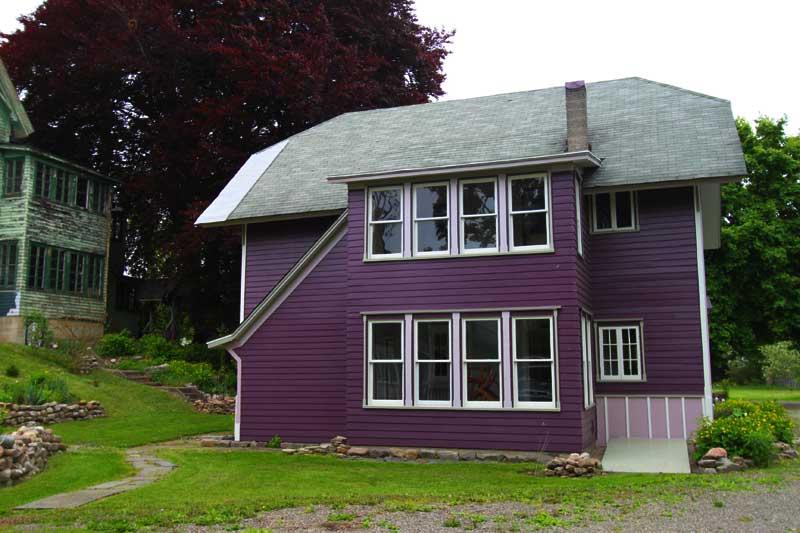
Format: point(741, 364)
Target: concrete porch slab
point(647, 456)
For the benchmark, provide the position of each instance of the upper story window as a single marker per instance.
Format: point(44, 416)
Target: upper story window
point(479, 215)
point(431, 219)
point(527, 212)
point(13, 177)
point(385, 234)
point(385, 362)
point(482, 369)
point(433, 361)
point(620, 353)
point(614, 211)
point(80, 191)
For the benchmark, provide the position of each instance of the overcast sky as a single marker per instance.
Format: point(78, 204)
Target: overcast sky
point(745, 52)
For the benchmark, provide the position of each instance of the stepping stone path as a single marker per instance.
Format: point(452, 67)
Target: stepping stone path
point(149, 469)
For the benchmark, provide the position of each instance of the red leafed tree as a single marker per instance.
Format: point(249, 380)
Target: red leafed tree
point(171, 96)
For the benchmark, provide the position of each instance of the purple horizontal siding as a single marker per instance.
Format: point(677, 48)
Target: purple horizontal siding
point(652, 275)
point(293, 379)
point(273, 248)
point(468, 283)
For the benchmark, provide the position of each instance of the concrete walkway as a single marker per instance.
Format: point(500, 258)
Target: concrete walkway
point(149, 469)
point(647, 456)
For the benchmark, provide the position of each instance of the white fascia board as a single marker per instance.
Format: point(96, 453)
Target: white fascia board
point(236, 189)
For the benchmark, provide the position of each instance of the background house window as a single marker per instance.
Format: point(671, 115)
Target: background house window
point(8, 264)
point(528, 218)
point(13, 178)
point(586, 356)
point(431, 214)
point(533, 362)
point(385, 222)
point(482, 362)
point(620, 353)
point(82, 192)
point(36, 267)
point(59, 270)
point(432, 361)
point(385, 347)
point(478, 215)
point(58, 266)
point(614, 211)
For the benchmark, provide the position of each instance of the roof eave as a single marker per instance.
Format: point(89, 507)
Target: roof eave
point(582, 159)
point(663, 184)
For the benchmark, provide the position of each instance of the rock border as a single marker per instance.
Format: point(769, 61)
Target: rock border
point(49, 413)
point(25, 453)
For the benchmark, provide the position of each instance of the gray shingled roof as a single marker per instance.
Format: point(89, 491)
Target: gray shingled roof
point(644, 131)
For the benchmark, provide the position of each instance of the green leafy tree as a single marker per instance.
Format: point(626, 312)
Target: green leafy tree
point(754, 278)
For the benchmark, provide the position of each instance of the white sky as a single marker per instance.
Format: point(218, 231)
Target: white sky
point(743, 51)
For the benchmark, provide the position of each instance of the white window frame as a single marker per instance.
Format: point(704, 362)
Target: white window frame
point(478, 251)
point(620, 356)
point(579, 215)
point(613, 204)
point(371, 363)
point(552, 360)
point(586, 356)
point(371, 223)
point(417, 361)
point(548, 245)
point(464, 361)
point(415, 219)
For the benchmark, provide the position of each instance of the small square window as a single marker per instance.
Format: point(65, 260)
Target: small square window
point(614, 211)
point(620, 353)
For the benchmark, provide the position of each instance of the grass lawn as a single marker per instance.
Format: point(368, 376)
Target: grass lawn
point(759, 393)
point(222, 487)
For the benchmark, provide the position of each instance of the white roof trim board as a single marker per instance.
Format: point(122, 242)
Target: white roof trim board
point(240, 185)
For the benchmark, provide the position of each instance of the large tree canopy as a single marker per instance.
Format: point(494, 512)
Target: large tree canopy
point(754, 278)
point(171, 96)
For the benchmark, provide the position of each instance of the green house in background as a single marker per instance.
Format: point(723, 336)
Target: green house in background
point(55, 228)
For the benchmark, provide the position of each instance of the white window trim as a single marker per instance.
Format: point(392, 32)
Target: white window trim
point(579, 215)
point(548, 245)
point(552, 360)
point(371, 223)
point(620, 358)
point(464, 361)
point(415, 219)
point(461, 216)
point(612, 195)
point(371, 362)
point(417, 361)
point(586, 356)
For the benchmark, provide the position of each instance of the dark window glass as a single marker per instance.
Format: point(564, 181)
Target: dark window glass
point(527, 194)
point(386, 205)
point(40, 175)
point(431, 201)
point(434, 382)
point(387, 238)
point(535, 382)
point(432, 235)
point(94, 195)
point(13, 177)
point(530, 229)
point(602, 206)
point(387, 381)
point(481, 339)
point(8, 264)
point(532, 338)
point(478, 198)
point(483, 382)
point(81, 192)
point(387, 340)
point(480, 232)
point(36, 268)
point(433, 340)
point(624, 218)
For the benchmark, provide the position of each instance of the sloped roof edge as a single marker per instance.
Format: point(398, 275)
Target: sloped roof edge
point(10, 93)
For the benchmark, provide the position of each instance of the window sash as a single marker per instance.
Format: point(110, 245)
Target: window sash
point(466, 361)
point(619, 357)
point(371, 363)
point(372, 223)
point(512, 212)
point(463, 217)
point(517, 359)
point(613, 209)
point(8, 264)
point(15, 169)
point(586, 353)
point(418, 360)
point(418, 219)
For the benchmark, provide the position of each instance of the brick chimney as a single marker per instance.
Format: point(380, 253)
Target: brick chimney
point(577, 123)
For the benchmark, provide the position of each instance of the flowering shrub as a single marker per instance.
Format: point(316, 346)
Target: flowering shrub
point(746, 429)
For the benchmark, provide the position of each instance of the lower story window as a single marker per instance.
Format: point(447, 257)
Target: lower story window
point(620, 353)
point(533, 362)
point(432, 357)
point(56, 269)
point(482, 369)
point(8, 264)
point(385, 351)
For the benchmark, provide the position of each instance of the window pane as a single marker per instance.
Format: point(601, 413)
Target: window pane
point(432, 236)
point(481, 339)
point(610, 361)
point(386, 204)
point(387, 238)
point(624, 219)
point(386, 340)
point(527, 194)
point(483, 382)
point(433, 340)
point(479, 198)
point(602, 205)
point(532, 339)
point(432, 201)
point(434, 382)
point(480, 232)
point(535, 382)
point(81, 192)
point(530, 229)
point(387, 381)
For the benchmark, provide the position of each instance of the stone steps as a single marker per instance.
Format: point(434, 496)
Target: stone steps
point(188, 393)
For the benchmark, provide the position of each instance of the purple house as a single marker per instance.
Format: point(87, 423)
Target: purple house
point(521, 271)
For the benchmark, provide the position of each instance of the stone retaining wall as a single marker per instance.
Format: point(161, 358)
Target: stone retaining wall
point(215, 404)
point(26, 452)
point(49, 413)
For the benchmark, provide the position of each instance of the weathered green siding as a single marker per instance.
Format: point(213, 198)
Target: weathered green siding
point(5, 124)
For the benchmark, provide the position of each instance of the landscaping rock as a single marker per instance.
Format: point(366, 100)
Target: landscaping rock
point(50, 413)
point(725, 465)
point(785, 451)
point(709, 471)
point(32, 449)
point(715, 453)
point(573, 465)
point(358, 452)
point(707, 463)
point(448, 455)
point(215, 404)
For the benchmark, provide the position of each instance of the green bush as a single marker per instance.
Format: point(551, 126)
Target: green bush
point(12, 371)
point(36, 390)
point(37, 329)
point(116, 345)
point(781, 362)
point(275, 442)
point(202, 375)
point(157, 347)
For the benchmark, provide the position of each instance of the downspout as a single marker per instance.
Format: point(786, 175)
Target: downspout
point(708, 402)
point(238, 407)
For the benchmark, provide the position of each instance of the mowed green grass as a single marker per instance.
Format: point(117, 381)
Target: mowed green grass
point(223, 486)
point(136, 414)
point(760, 393)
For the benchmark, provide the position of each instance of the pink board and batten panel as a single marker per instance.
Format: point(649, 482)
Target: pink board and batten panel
point(647, 417)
